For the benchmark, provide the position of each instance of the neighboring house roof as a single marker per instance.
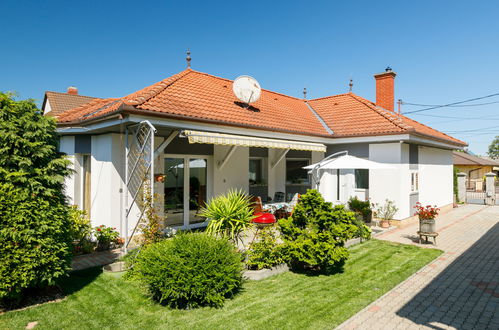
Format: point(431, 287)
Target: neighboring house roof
point(61, 102)
point(199, 96)
point(462, 158)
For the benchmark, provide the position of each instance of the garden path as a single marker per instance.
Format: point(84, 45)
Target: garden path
point(459, 290)
point(95, 259)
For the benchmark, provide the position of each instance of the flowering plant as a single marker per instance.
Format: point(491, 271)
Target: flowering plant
point(426, 212)
point(105, 235)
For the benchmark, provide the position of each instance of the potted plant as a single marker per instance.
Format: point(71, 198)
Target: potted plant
point(385, 212)
point(427, 215)
point(362, 208)
point(105, 236)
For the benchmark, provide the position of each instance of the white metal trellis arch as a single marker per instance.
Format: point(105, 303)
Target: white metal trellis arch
point(139, 169)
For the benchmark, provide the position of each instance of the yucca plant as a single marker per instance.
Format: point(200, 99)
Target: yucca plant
point(229, 214)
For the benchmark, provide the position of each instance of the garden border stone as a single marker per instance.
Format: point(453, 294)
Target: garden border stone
point(257, 275)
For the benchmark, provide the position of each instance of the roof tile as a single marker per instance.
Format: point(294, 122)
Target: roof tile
point(199, 96)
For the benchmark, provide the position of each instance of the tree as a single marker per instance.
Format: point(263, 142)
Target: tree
point(494, 148)
point(35, 244)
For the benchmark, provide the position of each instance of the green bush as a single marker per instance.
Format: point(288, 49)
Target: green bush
point(264, 251)
point(361, 207)
point(35, 241)
point(363, 232)
point(80, 230)
point(316, 234)
point(229, 214)
point(189, 270)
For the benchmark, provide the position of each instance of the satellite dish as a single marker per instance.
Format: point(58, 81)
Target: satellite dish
point(247, 89)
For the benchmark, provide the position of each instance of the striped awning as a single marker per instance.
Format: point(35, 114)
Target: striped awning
point(250, 141)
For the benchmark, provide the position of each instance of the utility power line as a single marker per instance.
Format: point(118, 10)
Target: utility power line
point(455, 106)
point(451, 104)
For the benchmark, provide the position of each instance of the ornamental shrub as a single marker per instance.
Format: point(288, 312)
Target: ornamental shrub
point(361, 207)
point(229, 215)
point(80, 230)
point(35, 240)
point(189, 270)
point(315, 235)
point(264, 251)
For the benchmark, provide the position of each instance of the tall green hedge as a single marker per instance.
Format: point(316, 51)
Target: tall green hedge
point(34, 224)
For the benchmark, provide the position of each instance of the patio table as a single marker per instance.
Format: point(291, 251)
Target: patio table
point(273, 207)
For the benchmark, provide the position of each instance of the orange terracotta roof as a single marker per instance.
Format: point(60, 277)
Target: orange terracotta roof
point(198, 96)
point(61, 102)
point(351, 115)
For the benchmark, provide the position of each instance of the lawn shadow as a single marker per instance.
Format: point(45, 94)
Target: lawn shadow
point(64, 287)
point(300, 269)
point(465, 293)
point(79, 279)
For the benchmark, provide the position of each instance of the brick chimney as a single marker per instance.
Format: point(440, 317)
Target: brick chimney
point(72, 90)
point(385, 95)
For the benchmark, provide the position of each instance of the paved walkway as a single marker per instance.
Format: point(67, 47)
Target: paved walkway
point(459, 290)
point(95, 259)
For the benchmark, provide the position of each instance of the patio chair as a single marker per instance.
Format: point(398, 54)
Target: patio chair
point(293, 203)
point(278, 197)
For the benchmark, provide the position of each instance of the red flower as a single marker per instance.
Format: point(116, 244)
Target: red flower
point(98, 229)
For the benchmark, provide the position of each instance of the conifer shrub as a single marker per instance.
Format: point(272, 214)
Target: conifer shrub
point(265, 251)
point(315, 236)
point(189, 270)
point(35, 239)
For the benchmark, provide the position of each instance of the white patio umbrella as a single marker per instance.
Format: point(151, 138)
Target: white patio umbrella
point(347, 162)
point(342, 160)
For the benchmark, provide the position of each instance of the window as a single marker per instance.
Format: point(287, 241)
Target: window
point(86, 173)
point(414, 181)
point(255, 171)
point(361, 179)
point(295, 173)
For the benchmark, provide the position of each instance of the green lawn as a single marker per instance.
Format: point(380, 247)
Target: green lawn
point(101, 300)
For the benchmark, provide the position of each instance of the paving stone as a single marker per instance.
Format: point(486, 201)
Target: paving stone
point(459, 290)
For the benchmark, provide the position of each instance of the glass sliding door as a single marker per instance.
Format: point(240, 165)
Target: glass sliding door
point(174, 191)
point(197, 188)
point(185, 189)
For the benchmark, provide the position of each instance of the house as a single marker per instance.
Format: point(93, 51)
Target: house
point(475, 168)
point(205, 141)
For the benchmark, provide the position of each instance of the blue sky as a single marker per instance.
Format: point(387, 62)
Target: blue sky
point(442, 51)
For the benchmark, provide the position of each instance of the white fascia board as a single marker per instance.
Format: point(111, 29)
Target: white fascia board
point(191, 125)
point(68, 130)
point(433, 143)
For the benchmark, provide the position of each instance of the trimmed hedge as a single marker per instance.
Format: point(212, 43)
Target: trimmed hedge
point(189, 270)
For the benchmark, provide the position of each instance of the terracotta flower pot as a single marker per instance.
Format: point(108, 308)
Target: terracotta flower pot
point(384, 223)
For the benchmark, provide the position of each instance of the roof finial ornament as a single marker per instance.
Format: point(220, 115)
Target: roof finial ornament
point(188, 59)
point(350, 86)
point(388, 69)
point(304, 93)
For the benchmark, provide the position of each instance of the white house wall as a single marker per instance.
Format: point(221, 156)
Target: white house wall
point(107, 163)
point(436, 176)
point(67, 146)
point(387, 183)
point(276, 174)
point(234, 174)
